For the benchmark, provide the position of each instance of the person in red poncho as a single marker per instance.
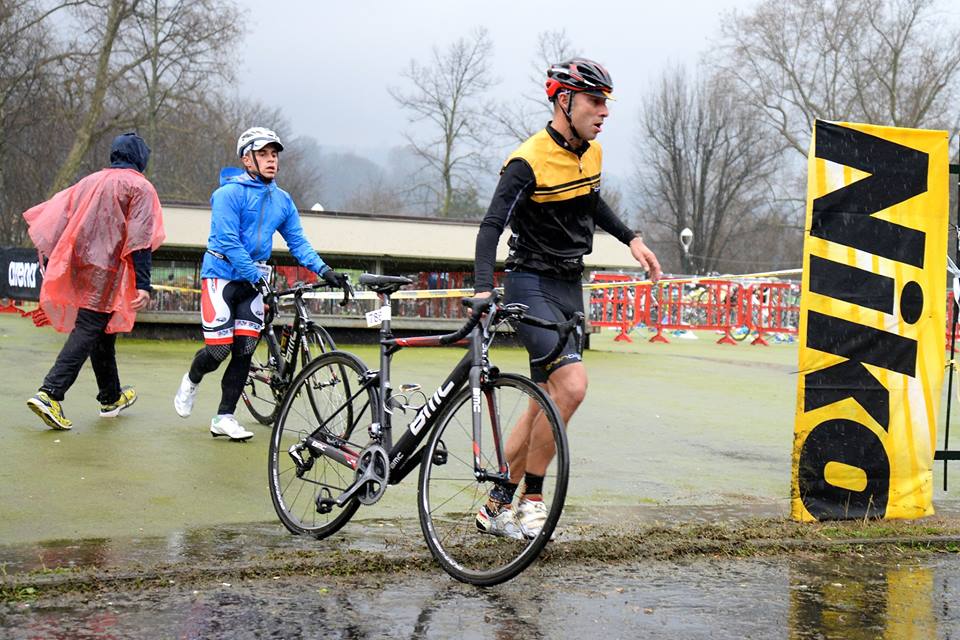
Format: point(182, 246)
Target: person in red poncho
point(96, 239)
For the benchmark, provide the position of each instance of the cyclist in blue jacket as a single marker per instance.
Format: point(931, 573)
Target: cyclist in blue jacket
point(246, 210)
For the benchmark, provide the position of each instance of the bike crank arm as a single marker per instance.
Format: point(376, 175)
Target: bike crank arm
point(373, 474)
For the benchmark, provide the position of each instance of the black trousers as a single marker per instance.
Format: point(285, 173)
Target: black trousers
point(87, 340)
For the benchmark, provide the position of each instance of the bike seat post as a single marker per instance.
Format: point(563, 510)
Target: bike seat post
point(385, 357)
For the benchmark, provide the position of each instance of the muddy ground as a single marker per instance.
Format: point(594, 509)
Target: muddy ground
point(755, 578)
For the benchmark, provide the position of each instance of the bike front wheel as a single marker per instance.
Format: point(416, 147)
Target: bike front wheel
point(260, 396)
point(519, 415)
point(329, 402)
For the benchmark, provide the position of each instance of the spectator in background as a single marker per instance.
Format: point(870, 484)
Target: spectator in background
point(96, 238)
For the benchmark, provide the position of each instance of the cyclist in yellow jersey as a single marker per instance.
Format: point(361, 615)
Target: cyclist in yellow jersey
point(549, 194)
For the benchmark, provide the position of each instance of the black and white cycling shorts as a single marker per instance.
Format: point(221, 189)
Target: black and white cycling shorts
point(550, 299)
point(228, 308)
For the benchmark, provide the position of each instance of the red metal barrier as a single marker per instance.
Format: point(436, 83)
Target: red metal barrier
point(614, 306)
point(771, 307)
point(950, 308)
point(708, 304)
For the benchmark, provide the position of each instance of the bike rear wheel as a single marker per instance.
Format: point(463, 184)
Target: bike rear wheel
point(450, 496)
point(258, 394)
point(329, 392)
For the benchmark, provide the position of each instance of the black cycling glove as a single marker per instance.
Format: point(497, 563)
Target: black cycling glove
point(262, 287)
point(334, 278)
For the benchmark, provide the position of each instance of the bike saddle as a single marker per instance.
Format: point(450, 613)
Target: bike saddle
point(384, 284)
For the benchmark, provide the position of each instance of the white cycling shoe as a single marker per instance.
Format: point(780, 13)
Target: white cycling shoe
point(504, 524)
point(186, 394)
point(531, 516)
point(227, 425)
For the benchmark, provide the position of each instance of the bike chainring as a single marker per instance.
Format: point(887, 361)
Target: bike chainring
point(373, 470)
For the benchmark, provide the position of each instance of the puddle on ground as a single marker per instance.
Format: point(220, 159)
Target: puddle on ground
point(785, 597)
point(236, 543)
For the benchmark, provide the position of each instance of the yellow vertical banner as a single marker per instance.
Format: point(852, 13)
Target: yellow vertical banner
point(872, 322)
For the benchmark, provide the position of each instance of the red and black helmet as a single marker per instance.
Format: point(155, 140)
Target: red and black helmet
point(581, 75)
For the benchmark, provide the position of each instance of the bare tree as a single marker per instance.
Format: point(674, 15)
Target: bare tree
point(199, 140)
point(446, 97)
point(701, 165)
point(892, 62)
point(377, 196)
point(144, 60)
point(519, 119)
point(184, 47)
point(112, 13)
point(27, 95)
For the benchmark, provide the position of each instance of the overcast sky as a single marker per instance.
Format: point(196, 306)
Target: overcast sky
point(329, 64)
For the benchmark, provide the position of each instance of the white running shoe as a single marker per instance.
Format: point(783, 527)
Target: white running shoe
point(531, 515)
point(504, 524)
point(227, 425)
point(186, 394)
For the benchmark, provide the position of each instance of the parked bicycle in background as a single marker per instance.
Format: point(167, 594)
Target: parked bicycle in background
point(275, 360)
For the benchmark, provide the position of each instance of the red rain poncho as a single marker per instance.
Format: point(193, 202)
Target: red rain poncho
point(88, 232)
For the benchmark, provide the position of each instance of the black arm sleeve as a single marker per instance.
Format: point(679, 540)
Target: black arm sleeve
point(142, 261)
point(516, 183)
point(607, 220)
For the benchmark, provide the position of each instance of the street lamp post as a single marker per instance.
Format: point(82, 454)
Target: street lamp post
point(686, 239)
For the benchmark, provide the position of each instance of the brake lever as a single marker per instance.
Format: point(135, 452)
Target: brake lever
point(348, 292)
point(513, 310)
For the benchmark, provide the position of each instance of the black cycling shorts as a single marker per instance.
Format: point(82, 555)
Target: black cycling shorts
point(550, 299)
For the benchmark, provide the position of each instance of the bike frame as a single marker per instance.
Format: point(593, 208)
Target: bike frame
point(286, 360)
point(406, 454)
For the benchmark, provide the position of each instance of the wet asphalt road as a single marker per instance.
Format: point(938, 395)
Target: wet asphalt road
point(792, 597)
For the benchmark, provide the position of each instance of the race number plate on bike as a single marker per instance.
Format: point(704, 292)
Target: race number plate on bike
point(377, 316)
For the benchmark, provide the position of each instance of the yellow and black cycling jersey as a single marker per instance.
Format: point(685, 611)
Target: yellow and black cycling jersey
point(549, 194)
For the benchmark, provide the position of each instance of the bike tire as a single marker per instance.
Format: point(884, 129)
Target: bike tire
point(332, 377)
point(317, 341)
point(450, 496)
point(258, 394)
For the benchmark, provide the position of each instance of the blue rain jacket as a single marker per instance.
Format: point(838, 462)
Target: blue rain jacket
point(246, 213)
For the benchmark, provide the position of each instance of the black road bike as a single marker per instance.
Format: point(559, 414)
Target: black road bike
point(332, 448)
point(275, 361)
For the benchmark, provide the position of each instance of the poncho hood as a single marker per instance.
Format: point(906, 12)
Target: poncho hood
point(129, 151)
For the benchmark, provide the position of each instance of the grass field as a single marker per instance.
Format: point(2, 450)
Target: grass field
point(688, 423)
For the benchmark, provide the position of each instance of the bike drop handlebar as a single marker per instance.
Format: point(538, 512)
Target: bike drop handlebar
point(300, 288)
point(517, 312)
point(297, 290)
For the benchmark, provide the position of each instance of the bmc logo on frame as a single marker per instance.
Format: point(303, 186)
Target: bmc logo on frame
point(22, 274)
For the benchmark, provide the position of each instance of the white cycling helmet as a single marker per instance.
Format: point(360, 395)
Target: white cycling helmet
point(257, 138)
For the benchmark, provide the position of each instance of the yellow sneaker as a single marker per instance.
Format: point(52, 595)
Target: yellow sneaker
point(49, 410)
point(128, 395)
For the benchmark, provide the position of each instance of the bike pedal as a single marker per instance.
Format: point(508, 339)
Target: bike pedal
point(440, 455)
point(325, 505)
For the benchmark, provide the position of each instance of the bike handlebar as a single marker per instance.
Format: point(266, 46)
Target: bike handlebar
point(300, 287)
point(517, 312)
point(298, 290)
point(477, 307)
